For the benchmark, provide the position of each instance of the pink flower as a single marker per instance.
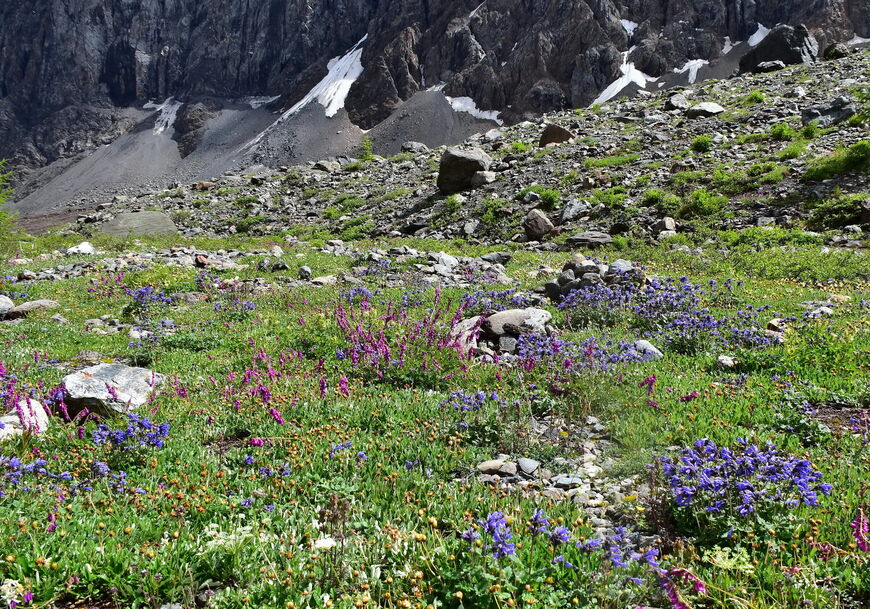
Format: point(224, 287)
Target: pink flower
point(257, 442)
point(861, 529)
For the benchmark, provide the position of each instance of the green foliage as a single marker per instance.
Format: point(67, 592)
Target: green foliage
point(702, 143)
point(838, 211)
point(452, 205)
point(611, 161)
point(366, 154)
point(811, 130)
point(520, 147)
point(331, 213)
point(736, 181)
point(244, 225)
point(665, 203)
point(783, 132)
point(793, 150)
point(549, 197)
point(702, 204)
point(247, 201)
point(8, 223)
point(754, 97)
point(611, 198)
point(854, 158)
point(493, 212)
point(769, 237)
point(357, 228)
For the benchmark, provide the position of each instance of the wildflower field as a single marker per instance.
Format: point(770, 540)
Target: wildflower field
point(322, 446)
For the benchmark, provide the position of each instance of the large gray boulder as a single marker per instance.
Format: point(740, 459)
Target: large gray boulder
point(515, 321)
point(831, 113)
point(139, 224)
point(109, 389)
point(33, 419)
point(785, 43)
point(458, 167)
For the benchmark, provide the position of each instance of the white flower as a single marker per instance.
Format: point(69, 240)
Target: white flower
point(325, 543)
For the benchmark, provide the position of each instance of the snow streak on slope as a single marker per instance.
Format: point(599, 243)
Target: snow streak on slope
point(630, 75)
point(333, 89)
point(856, 39)
point(466, 104)
point(168, 110)
point(692, 66)
point(727, 46)
point(329, 92)
point(759, 35)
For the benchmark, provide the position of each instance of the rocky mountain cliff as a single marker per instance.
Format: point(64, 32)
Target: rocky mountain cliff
point(77, 74)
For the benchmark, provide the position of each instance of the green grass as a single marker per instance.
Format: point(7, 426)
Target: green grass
point(550, 198)
point(192, 524)
point(855, 158)
point(702, 143)
point(611, 161)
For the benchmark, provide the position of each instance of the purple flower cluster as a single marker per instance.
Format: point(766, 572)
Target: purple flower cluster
point(861, 531)
point(472, 401)
point(16, 475)
point(670, 310)
point(140, 432)
point(144, 298)
point(496, 528)
point(593, 354)
point(481, 301)
point(752, 482)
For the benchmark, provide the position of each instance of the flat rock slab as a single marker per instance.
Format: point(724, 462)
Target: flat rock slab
point(109, 389)
point(26, 308)
point(590, 238)
point(140, 223)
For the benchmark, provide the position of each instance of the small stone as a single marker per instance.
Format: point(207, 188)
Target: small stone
point(554, 134)
point(537, 225)
point(566, 481)
point(493, 466)
point(777, 325)
point(82, 249)
point(509, 468)
point(644, 347)
point(726, 362)
point(5, 305)
point(325, 280)
point(704, 109)
point(528, 466)
point(108, 389)
point(305, 273)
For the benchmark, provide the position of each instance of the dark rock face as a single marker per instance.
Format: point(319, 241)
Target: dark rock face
point(785, 43)
point(71, 70)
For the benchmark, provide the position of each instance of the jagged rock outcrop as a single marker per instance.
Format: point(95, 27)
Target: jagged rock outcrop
point(75, 74)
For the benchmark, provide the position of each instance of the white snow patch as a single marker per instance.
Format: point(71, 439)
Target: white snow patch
point(333, 89)
point(856, 39)
point(439, 87)
point(330, 92)
point(628, 26)
point(259, 102)
point(692, 66)
point(759, 35)
point(466, 104)
point(727, 46)
point(168, 111)
point(474, 12)
point(630, 74)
